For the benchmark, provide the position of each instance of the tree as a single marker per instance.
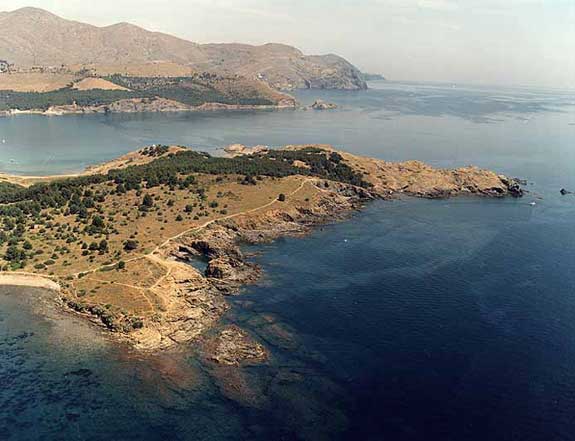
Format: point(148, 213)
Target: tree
point(82, 212)
point(12, 253)
point(190, 180)
point(103, 246)
point(282, 197)
point(131, 245)
point(148, 201)
point(249, 180)
point(98, 222)
point(121, 265)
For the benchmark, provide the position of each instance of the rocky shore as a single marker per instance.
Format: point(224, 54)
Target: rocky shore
point(200, 297)
point(198, 300)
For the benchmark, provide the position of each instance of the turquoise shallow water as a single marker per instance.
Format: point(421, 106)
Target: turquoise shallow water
point(414, 320)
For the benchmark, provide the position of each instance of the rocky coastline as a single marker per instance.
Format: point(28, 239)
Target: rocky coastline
point(190, 303)
point(201, 296)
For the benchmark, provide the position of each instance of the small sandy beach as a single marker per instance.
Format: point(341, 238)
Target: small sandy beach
point(30, 280)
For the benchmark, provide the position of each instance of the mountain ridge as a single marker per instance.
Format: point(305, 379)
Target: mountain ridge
point(32, 36)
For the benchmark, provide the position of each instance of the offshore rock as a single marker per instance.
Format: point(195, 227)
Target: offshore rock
point(323, 105)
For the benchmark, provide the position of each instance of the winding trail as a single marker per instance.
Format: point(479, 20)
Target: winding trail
point(231, 216)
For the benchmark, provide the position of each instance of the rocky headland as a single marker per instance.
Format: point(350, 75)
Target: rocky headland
point(156, 299)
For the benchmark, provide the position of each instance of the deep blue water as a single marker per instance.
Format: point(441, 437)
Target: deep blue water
point(414, 320)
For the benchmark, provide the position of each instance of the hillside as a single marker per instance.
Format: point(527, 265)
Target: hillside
point(31, 36)
point(41, 93)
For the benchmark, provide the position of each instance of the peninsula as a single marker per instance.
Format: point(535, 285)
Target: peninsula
point(119, 240)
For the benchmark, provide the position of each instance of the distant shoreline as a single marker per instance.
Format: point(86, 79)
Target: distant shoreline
point(102, 110)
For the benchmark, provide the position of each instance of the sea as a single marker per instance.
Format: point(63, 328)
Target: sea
point(415, 319)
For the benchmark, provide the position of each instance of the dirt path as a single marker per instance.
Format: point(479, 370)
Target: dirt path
point(231, 216)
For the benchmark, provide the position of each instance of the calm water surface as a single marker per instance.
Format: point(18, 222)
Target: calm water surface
point(415, 320)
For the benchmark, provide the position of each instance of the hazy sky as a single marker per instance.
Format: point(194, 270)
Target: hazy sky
point(485, 41)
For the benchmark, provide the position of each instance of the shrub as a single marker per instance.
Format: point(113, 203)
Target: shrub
point(131, 245)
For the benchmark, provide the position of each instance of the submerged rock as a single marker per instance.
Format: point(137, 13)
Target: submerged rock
point(234, 347)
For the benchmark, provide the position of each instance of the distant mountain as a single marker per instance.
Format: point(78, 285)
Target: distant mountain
point(31, 37)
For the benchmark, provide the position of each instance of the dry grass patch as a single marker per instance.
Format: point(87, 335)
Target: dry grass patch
point(92, 83)
point(143, 273)
point(35, 82)
point(115, 296)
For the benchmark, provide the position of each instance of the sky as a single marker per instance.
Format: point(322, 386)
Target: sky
point(508, 42)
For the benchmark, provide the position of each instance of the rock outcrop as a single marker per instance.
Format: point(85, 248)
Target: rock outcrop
point(197, 301)
point(240, 149)
point(232, 346)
